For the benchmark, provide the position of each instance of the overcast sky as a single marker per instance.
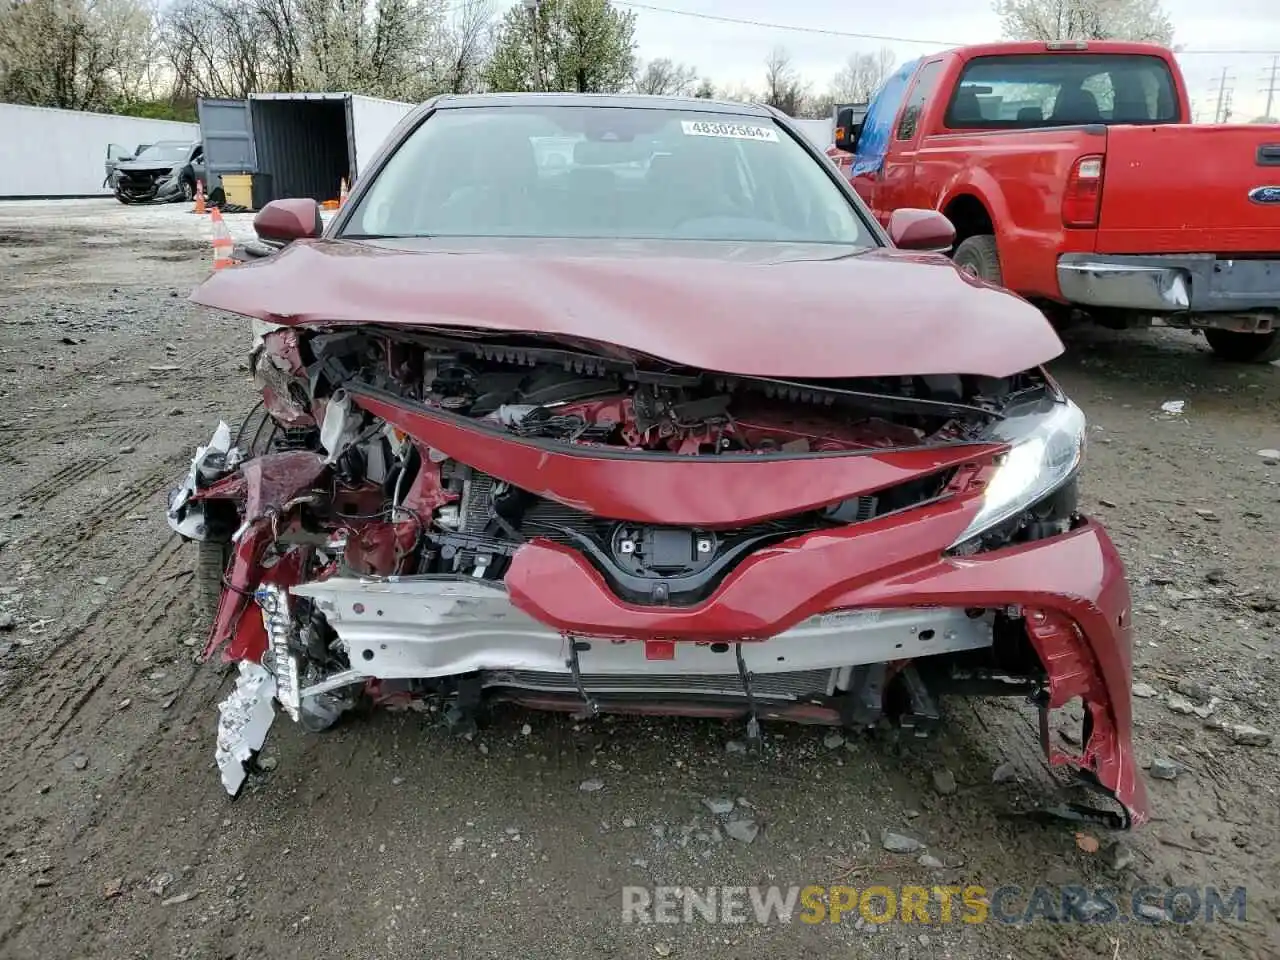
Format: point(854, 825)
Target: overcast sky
point(733, 54)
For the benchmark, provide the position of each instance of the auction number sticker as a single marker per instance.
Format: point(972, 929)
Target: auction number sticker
point(735, 131)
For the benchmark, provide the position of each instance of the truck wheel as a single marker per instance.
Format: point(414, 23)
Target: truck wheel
point(1244, 347)
point(979, 256)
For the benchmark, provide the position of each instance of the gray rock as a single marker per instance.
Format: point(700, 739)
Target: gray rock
point(628, 823)
point(1208, 515)
point(1269, 454)
point(80, 762)
point(899, 842)
point(1004, 773)
point(1193, 690)
point(7, 621)
point(744, 831)
point(735, 746)
point(267, 763)
point(930, 861)
point(1180, 705)
point(175, 411)
point(457, 844)
point(591, 786)
point(833, 741)
point(127, 449)
point(1249, 736)
point(1163, 769)
point(720, 806)
point(179, 898)
point(1117, 856)
point(944, 781)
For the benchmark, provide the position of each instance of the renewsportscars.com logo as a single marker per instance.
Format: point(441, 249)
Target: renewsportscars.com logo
point(971, 904)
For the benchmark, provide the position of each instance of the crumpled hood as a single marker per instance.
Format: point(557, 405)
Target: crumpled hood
point(148, 166)
point(785, 311)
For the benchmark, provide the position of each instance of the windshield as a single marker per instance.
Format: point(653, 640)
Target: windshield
point(1043, 91)
point(166, 152)
point(606, 173)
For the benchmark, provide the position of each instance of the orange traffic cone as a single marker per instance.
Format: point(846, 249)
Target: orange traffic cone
point(199, 207)
point(342, 192)
point(222, 242)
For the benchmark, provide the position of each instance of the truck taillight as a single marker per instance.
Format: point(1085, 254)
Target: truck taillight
point(1084, 193)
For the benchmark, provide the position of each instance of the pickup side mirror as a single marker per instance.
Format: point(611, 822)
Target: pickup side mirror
point(913, 229)
point(848, 129)
point(284, 221)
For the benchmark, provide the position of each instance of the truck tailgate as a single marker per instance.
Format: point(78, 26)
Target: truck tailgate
point(1187, 189)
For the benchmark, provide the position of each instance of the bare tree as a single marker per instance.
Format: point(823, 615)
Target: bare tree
point(76, 54)
point(705, 90)
point(461, 48)
point(783, 89)
point(1085, 20)
point(862, 76)
point(664, 77)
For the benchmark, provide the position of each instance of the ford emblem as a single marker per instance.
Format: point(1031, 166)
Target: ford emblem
point(1265, 194)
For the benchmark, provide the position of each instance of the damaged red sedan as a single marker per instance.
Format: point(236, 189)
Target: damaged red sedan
point(627, 404)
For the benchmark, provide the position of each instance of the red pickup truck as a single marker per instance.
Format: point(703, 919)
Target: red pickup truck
point(1074, 177)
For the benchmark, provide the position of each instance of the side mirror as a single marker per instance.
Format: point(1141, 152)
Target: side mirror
point(284, 221)
point(912, 229)
point(848, 129)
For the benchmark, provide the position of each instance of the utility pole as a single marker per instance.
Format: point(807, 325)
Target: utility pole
point(532, 6)
point(1224, 99)
point(1271, 87)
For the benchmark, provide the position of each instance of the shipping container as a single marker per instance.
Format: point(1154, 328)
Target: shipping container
point(295, 144)
point(62, 153)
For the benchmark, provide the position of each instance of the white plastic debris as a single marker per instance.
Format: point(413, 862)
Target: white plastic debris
point(1173, 406)
point(244, 718)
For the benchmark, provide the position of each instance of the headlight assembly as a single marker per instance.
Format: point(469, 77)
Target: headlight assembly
point(1046, 447)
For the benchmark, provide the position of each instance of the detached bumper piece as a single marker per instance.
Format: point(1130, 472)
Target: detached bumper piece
point(244, 719)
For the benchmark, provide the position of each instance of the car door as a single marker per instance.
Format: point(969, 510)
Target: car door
point(115, 153)
point(866, 171)
point(897, 175)
point(197, 164)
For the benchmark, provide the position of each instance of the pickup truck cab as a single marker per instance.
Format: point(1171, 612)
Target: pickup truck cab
point(1074, 178)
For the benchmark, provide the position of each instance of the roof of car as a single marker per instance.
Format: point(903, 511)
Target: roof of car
point(630, 101)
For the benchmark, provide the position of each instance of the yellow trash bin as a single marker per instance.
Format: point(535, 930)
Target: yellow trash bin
point(239, 189)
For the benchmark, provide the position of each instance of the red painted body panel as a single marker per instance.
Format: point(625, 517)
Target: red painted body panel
point(1176, 189)
point(749, 309)
point(1020, 176)
point(1067, 582)
point(706, 492)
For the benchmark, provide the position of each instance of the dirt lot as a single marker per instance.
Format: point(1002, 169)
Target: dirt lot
point(389, 839)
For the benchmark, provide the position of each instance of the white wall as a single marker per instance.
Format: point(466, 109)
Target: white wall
point(61, 153)
point(372, 120)
point(821, 132)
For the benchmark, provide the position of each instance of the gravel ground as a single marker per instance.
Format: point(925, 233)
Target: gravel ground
point(389, 839)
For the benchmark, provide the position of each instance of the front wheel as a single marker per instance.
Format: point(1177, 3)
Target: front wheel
point(188, 191)
point(980, 257)
point(1240, 347)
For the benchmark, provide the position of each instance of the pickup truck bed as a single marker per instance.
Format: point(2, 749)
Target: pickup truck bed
point(1073, 179)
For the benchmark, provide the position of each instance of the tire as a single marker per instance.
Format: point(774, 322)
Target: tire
point(209, 567)
point(980, 257)
point(188, 191)
point(1239, 347)
point(123, 199)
